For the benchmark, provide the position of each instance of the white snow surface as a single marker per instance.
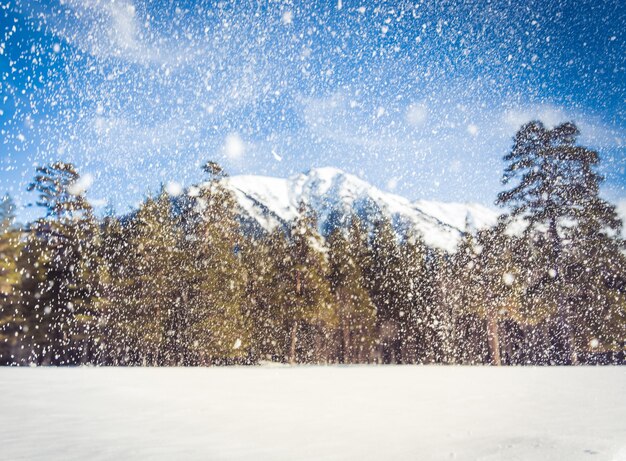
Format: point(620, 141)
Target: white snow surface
point(274, 201)
point(313, 413)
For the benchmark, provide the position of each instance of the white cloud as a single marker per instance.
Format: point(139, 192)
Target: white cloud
point(113, 29)
point(549, 115)
point(106, 29)
point(593, 131)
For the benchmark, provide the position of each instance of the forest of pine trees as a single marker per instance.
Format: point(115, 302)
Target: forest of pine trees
point(177, 282)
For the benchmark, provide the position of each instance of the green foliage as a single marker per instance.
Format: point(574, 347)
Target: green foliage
point(308, 303)
point(596, 293)
point(144, 284)
point(557, 195)
point(12, 322)
point(64, 287)
point(268, 287)
point(9, 249)
point(384, 280)
point(355, 310)
point(215, 280)
point(176, 289)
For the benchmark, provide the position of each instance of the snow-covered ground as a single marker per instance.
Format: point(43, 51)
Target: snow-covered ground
point(330, 413)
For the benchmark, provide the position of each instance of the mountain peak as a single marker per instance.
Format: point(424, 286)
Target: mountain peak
point(267, 203)
point(325, 171)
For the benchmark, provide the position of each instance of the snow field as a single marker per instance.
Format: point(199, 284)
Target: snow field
point(314, 413)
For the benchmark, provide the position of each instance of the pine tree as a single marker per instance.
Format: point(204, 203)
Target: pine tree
point(490, 286)
point(355, 310)
point(268, 265)
point(456, 290)
point(384, 279)
point(557, 185)
point(217, 318)
point(309, 307)
point(537, 304)
point(417, 310)
point(596, 287)
point(144, 290)
point(12, 321)
point(9, 249)
point(497, 287)
point(115, 253)
point(66, 241)
point(441, 341)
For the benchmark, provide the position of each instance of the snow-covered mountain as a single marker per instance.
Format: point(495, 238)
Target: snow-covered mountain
point(268, 202)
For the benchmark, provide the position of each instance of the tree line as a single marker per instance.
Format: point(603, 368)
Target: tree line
point(178, 282)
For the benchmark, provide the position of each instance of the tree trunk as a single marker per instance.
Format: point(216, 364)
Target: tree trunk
point(568, 354)
point(294, 327)
point(493, 341)
point(292, 346)
point(298, 283)
point(345, 343)
point(318, 332)
point(183, 353)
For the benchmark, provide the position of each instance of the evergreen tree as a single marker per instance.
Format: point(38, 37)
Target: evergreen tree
point(442, 342)
point(268, 291)
point(417, 316)
point(144, 290)
point(66, 241)
point(355, 310)
point(115, 253)
point(214, 276)
point(384, 278)
point(596, 288)
point(490, 288)
point(470, 348)
point(498, 286)
point(9, 249)
point(309, 306)
point(557, 185)
point(12, 321)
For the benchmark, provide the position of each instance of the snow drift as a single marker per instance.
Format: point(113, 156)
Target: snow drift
point(310, 413)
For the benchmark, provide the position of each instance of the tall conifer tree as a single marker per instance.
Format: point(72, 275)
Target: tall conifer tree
point(310, 307)
point(355, 310)
point(556, 185)
point(217, 317)
point(68, 239)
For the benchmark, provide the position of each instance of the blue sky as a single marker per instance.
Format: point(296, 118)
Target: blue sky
point(421, 99)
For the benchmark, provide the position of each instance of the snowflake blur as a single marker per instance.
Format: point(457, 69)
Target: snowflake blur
point(419, 98)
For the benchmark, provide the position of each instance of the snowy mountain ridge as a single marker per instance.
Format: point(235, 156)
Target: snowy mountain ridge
point(268, 202)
